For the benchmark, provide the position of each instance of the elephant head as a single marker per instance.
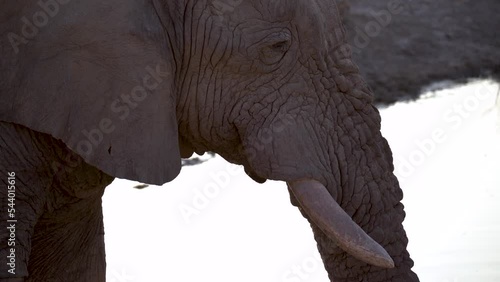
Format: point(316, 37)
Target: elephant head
point(132, 86)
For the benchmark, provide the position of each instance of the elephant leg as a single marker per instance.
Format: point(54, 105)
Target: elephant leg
point(68, 243)
point(22, 200)
point(58, 230)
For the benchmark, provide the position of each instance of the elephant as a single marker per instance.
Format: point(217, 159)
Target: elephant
point(98, 89)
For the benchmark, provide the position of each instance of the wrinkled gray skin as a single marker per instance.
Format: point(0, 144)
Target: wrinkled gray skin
point(125, 88)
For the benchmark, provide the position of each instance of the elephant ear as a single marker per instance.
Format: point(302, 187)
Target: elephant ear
point(99, 76)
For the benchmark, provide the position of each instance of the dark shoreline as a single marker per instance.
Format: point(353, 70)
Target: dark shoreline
point(423, 43)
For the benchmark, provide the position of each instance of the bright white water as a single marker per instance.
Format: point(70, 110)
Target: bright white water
point(212, 223)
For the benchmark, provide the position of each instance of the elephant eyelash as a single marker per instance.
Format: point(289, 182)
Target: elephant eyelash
point(276, 49)
point(273, 53)
point(281, 46)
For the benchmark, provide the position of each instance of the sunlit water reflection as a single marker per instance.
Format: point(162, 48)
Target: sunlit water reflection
point(212, 223)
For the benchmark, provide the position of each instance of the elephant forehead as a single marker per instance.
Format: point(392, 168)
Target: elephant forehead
point(311, 15)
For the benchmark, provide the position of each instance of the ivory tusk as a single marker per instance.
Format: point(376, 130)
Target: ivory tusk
point(327, 214)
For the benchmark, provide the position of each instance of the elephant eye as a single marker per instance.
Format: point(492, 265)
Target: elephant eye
point(275, 47)
point(280, 46)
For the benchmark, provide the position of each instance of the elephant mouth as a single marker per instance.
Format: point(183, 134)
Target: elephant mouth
point(326, 213)
point(252, 174)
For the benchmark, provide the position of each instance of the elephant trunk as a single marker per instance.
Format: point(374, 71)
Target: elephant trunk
point(354, 202)
point(362, 237)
